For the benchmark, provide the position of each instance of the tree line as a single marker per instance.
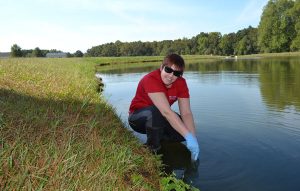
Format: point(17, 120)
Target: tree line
point(242, 42)
point(17, 51)
point(278, 31)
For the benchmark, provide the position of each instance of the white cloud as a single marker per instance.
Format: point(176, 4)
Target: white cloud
point(133, 32)
point(43, 35)
point(113, 6)
point(56, 36)
point(251, 12)
point(70, 25)
point(133, 24)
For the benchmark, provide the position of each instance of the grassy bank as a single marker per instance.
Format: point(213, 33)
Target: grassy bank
point(56, 134)
point(270, 55)
point(111, 63)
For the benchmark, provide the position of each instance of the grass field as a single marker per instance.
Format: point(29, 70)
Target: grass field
point(56, 133)
point(265, 55)
point(110, 63)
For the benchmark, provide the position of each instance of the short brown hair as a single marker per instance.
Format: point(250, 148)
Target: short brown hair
point(175, 59)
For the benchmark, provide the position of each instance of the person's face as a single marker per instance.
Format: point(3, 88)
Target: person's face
point(169, 74)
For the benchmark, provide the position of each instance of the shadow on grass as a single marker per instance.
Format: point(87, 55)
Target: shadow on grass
point(68, 145)
point(38, 116)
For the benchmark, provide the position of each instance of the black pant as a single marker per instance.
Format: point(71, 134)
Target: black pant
point(150, 121)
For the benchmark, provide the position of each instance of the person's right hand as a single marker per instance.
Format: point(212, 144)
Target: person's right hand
point(192, 145)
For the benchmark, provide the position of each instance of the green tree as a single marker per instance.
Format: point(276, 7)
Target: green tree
point(265, 27)
point(109, 49)
point(203, 43)
point(295, 45)
point(180, 46)
point(78, 53)
point(214, 39)
point(295, 12)
point(286, 28)
point(227, 44)
point(166, 47)
point(16, 51)
point(69, 55)
point(242, 46)
point(193, 45)
point(276, 27)
point(246, 41)
point(37, 52)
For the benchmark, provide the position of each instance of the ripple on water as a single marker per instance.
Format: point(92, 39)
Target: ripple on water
point(231, 164)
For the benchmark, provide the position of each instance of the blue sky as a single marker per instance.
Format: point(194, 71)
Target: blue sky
point(71, 25)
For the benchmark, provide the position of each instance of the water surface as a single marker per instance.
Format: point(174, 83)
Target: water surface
point(247, 115)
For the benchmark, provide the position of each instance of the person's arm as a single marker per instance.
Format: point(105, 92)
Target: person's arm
point(188, 120)
point(186, 114)
point(160, 101)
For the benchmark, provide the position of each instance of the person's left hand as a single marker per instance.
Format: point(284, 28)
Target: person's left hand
point(192, 145)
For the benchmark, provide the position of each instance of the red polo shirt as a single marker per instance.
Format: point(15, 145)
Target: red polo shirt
point(152, 83)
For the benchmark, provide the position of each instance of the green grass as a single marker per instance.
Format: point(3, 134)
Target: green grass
point(265, 55)
point(111, 63)
point(140, 59)
point(57, 134)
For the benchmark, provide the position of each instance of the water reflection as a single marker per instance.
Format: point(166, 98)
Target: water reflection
point(247, 115)
point(279, 78)
point(280, 82)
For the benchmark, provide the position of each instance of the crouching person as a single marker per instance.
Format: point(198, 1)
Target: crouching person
point(150, 111)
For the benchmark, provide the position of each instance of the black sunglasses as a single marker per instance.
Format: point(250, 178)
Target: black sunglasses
point(175, 72)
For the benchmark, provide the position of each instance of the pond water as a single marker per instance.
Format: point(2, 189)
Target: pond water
point(247, 115)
